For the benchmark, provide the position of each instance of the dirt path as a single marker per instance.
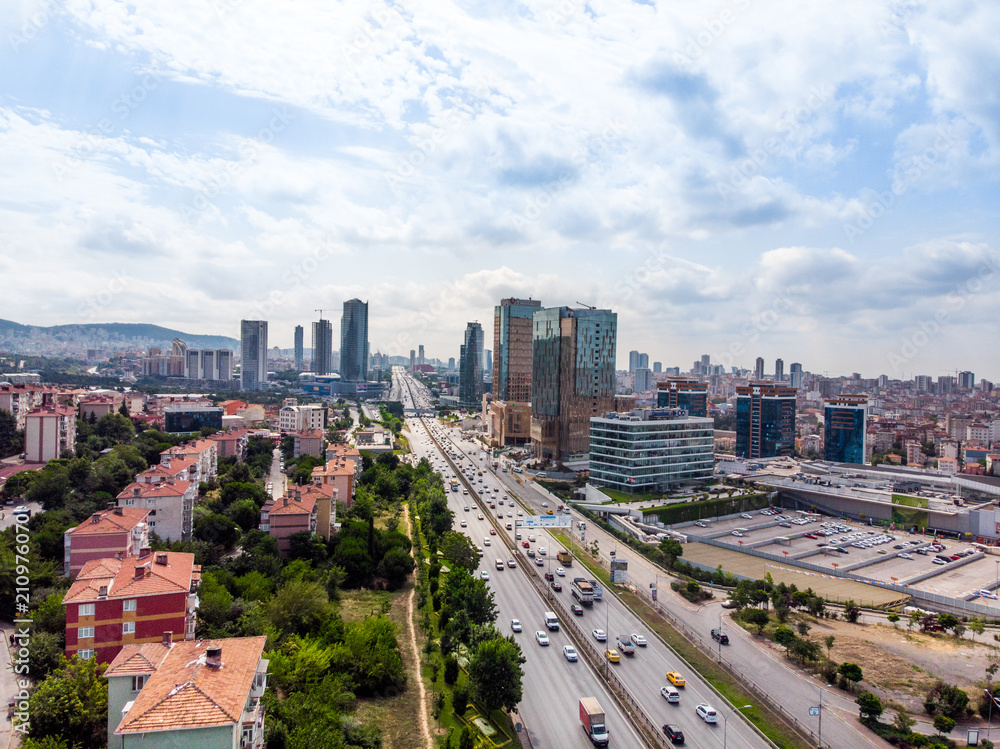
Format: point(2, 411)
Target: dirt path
point(412, 630)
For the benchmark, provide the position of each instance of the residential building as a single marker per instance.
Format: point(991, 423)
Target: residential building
point(643, 380)
point(758, 370)
point(205, 452)
point(650, 450)
point(470, 367)
point(308, 442)
point(845, 429)
point(322, 347)
point(354, 341)
point(420, 355)
point(308, 508)
point(508, 423)
point(299, 348)
point(340, 473)
point(232, 443)
point(130, 601)
point(643, 361)
point(49, 432)
point(203, 694)
point(169, 505)
point(683, 392)
point(795, 375)
point(765, 420)
point(99, 406)
point(253, 354)
point(20, 399)
point(512, 342)
point(657, 367)
point(451, 363)
point(295, 418)
point(779, 370)
point(966, 380)
point(572, 378)
point(208, 364)
point(120, 532)
point(189, 419)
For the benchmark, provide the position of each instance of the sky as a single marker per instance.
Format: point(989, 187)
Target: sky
point(812, 181)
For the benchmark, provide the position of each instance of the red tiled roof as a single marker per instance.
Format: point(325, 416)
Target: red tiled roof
point(168, 488)
point(118, 576)
point(118, 520)
point(185, 692)
point(138, 659)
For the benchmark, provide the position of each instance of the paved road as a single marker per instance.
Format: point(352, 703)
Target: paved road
point(278, 479)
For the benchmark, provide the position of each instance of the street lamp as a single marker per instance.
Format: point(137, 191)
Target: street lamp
point(725, 722)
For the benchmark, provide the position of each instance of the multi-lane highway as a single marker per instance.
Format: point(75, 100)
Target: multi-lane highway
point(546, 670)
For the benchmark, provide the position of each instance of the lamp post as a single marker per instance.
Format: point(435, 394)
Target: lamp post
point(725, 723)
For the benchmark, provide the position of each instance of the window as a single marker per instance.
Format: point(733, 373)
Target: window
point(85, 633)
point(86, 654)
point(128, 628)
point(86, 609)
point(129, 604)
point(138, 682)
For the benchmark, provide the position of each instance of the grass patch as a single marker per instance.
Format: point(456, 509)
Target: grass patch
point(355, 605)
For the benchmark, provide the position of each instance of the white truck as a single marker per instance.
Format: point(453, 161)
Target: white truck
point(592, 720)
point(583, 591)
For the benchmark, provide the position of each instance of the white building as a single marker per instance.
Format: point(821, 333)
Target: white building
point(302, 418)
point(650, 450)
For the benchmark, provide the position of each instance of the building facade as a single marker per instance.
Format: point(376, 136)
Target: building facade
point(795, 375)
point(48, 433)
point(572, 378)
point(508, 423)
point(184, 420)
point(650, 450)
point(253, 354)
point(470, 367)
point(845, 429)
point(512, 343)
point(683, 392)
point(765, 420)
point(120, 532)
point(322, 347)
point(354, 341)
point(299, 350)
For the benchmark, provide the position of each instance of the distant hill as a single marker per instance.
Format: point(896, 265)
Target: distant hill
point(122, 330)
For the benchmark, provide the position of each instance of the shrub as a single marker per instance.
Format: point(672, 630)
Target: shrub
point(460, 699)
point(450, 669)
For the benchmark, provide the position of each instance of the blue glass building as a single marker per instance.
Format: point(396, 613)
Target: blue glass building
point(845, 429)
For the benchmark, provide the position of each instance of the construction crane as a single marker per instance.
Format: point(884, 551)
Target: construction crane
point(586, 305)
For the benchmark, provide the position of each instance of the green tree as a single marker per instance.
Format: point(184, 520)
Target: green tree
point(115, 429)
point(51, 488)
point(72, 705)
point(948, 621)
point(946, 699)
point(757, 618)
point(913, 620)
point(376, 662)
point(805, 651)
point(828, 641)
point(245, 513)
point(869, 705)
point(11, 440)
point(672, 550)
point(217, 529)
point(893, 618)
point(851, 672)
point(943, 723)
point(784, 636)
point(298, 606)
point(395, 568)
point(852, 612)
point(459, 551)
point(977, 625)
point(802, 628)
point(45, 650)
point(495, 673)
point(904, 722)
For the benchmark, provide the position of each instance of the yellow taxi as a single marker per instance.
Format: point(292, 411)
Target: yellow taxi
point(675, 678)
point(612, 656)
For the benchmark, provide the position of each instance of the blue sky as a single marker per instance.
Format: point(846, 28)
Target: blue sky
point(816, 182)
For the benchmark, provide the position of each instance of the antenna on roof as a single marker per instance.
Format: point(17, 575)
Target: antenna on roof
point(588, 306)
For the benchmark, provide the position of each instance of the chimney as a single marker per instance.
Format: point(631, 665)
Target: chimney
point(95, 518)
point(168, 638)
point(284, 501)
point(136, 491)
point(213, 656)
point(161, 558)
point(140, 572)
point(144, 552)
point(102, 592)
point(118, 510)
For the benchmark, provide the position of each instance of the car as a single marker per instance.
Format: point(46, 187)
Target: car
point(707, 713)
point(729, 603)
point(531, 553)
point(737, 534)
point(486, 542)
point(700, 524)
point(638, 640)
point(747, 516)
point(577, 609)
point(481, 516)
point(511, 563)
point(549, 576)
point(720, 637)
point(673, 733)
point(493, 531)
point(570, 652)
point(541, 551)
point(810, 535)
point(675, 678)
point(556, 586)
point(515, 625)
point(531, 538)
point(612, 656)
point(525, 544)
point(466, 508)
point(600, 635)
point(935, 560)
point(541, 638)
point(464, 524)
point(539, 562)
point(560, 572)
point(485, 575)
point(670, 693)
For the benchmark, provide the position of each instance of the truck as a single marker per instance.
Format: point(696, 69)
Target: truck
point(598, 590)
point(625, 645)
point(592, 720)
point(583, 591)
point(565, 558)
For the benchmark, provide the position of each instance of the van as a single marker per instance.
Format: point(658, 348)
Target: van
point(551, 621)
point(541, 475)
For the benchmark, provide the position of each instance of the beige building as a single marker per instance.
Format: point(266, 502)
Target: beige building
point(508, 423)
point(48, 432)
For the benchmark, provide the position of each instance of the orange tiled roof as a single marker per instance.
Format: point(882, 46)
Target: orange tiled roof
point(305, 505)
point(138, 659)
point(112, 521)
point(169, 488)
point(186, 693)
point(118, 576)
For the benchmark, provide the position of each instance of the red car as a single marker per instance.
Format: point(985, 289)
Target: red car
point(493, 531)
point(810, 535)
point(525, 544)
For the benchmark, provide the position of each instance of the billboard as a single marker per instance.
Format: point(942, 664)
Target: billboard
point(546, 521)
point(619, 571)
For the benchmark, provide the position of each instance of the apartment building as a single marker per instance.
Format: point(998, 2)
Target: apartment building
point(169, 503)
point(297, 511)
point(295, 418)
point(49, 432)
point(116, 533)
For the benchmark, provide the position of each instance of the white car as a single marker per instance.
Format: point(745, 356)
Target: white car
point(485, 575)
point(707, 713)
point(486, 542)
point(542, 638)
point(570, 652)
point(638, 640)
point(600, 635)
point(515, 625)
point(464, 524)
point(541, 551)
point(671, 694)
point(561, 572)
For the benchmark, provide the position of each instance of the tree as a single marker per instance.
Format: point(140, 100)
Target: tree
point(893, 618)
point(904, 722)
point(852, 612)
point(217, 529)
point(943, 724)
point(850, 671)
point(869, 706)
point(395, 568)
point(298, 606)
point(672, 550)
point(828, 641)
point(784, 636)
point(51, 488)
point(946, 699)
point(804, 650)
point(948, 621)
point(115, 429)
point(11, 440)
point(459, 551)
point(803, 628)
point(72, 705)
point(977, 625)
point(495, 673)
point(757, 618)
point(913, 620)
point(376, 663)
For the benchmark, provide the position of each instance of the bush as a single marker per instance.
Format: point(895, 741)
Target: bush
point(450, 669)
point(948, 700)
point(460, 699)
point(943, 723)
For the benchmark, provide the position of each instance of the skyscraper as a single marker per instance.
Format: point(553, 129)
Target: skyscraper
point(299, 348)
point(322, 347)
point(643, 361)
point(758, 370)
point(966, 380)
point(420, 354)
point(657, 367)
point(354, 341)
point(470, 367)
point(572, 378)
point(512, 342)
point(795, 375)
point(765, 420)
point(643, 380)
point(488, 361)
point(413, 360)
point(845, 428)
point(779, 370)
point(253, 356)
point(633, 361)
point(451, 364)
point(706, 362)
point(683, 392)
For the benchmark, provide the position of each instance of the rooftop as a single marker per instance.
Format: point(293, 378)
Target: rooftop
point(117, 520)
point(155, 574)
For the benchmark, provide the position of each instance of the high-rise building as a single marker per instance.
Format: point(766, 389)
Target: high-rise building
point(322, 347)
point(643, 361)
point(451, 363)
point(683, 392)
point(572, 378)
point(253, 354)
point(633, 361)
point(795, 375)
point(470, 367)
point(354, 341)
point(420, 354)
point(883, 381)
point(765, 420)
point(706, 362)
point(299, 347)
point(945, 385)
point(643, 380)
point(779, 370)
point(966, 380)
point(758, 370)
point(923, 382)
point(413, 360)
point(488, 361)
point(845, 428)
point(208, 364)
point(657, 367)
point(512, 342)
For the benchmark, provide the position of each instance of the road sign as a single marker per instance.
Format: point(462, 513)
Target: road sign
point(546, 521)
point(814, 711)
